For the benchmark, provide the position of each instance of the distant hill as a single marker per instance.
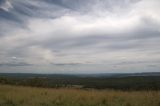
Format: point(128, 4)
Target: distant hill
point(122, 81)
point(104, 75)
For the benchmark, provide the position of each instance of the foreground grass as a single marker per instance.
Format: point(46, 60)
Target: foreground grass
point(28, 96)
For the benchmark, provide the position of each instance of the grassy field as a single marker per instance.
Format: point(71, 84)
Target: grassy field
point(29, 96)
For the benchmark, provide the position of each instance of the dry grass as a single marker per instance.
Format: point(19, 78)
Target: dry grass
point(28, 96)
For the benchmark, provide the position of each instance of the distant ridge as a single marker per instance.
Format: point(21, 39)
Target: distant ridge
point(109, 75)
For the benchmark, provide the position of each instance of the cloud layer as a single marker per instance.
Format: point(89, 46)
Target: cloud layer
point(75, 36)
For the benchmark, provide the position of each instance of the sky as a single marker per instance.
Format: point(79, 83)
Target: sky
point(79, 36)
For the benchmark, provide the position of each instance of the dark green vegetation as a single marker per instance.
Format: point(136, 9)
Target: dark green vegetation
point(118, 81)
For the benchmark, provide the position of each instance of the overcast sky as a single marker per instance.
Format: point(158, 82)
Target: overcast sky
point(79, 36)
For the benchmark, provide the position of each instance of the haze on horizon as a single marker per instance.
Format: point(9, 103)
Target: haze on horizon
point(79, 36)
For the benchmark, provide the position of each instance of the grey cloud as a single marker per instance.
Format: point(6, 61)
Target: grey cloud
point(22, 11)
point(14, 64)
point(90, 5)
point(80, 35)
point(39, 9)
point(132, 40)
point(57, 8)
point(66, 64)
point(8, 16)
point(2, 1)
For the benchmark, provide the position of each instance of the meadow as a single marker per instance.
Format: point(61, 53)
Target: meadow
point(11, 95)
